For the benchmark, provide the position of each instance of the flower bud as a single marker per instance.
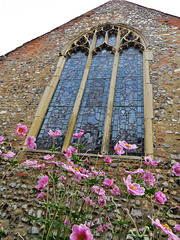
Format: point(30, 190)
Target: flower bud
point(126, 211)
point(147, 228)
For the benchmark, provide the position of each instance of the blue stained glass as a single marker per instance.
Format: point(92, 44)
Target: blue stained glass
point(62, 103)
point(112, 40)
point(128, 103)
point(93, 108)
point(99, 40)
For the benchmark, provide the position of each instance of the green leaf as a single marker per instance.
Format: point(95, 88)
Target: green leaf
point(121, 222)
point(34, 236)
point(81, 146)
point(130, 167)
point(138, 237)
point(14, 163)
point(56, 179)
point(75, 158)
point(151, 226)
point(74, 215)
point(139, 180)
point(53, 149)
point(167, 215)
point(41, 220)
point(123, 185)
point(92, 181)
point(114, 234)
point(37, 219)
point(110, 207)
point(105, 164)
point(151, 191)
point(94, 226)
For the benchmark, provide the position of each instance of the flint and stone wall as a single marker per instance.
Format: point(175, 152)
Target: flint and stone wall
point(26, 71)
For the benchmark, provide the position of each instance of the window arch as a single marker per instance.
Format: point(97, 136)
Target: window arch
point(109, 59)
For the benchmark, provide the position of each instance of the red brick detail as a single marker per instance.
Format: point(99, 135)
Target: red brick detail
point(172, 21)
point(25, 174)
point(109, 174)
point(21, 174)
point(18, 174)
point(99, 163)
point(160, 140)
point(135, 165)
point(161, 152)
point(21, 160)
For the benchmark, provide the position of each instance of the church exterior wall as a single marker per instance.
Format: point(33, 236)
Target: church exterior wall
point(26, 71)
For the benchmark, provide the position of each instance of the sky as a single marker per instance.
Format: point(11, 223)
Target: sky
point(22, 20)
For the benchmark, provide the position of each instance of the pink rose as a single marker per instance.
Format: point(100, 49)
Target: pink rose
point(30, 143)
point(160, 197)
point(76, 135)
point(54, 134)
point(21, 129)
point(108, 182)
point(177, 227)
point(149, 179)
point(127, 146)
point(81, 232)
point(176, 169)
point(133, 188)
point(107, 160)
point(40, 195)
point(8, 154)
point(1, 139)
point(119, 149)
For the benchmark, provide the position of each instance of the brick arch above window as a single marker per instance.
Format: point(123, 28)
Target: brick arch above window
point(114, 38)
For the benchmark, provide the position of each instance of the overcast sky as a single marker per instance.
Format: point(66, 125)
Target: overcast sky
point(22, 20)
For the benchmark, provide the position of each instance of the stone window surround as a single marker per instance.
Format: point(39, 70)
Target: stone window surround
point(147, 88)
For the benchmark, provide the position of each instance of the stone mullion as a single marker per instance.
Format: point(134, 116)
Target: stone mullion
point(79, 97)
point(109, 111)
point(106, 38)
point(148, 104)
point(46, 99)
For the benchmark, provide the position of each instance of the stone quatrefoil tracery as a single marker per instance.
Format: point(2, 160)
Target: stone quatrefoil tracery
point(127, 38)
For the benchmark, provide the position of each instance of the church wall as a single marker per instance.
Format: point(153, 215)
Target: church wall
point(26, 71)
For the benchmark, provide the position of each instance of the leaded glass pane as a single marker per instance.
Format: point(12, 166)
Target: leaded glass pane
point(128, 111)
point(112, 40)
point(62, 103)
point(99, 40)
point(93, 107)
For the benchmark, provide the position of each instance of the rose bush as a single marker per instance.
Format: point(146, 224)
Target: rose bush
point(77, 198)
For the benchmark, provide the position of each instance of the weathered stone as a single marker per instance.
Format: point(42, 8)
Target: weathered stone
point(33, 230)
point(136, 212)
point(165, 184)
point(177, 199)
point(12, 185)
point(108, 236)
point(171, 223)
point(114, 165)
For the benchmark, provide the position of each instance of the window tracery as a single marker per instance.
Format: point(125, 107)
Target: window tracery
point(107, 91)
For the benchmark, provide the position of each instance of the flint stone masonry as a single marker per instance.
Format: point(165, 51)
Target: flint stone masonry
point(26, 71)
point(17, 205)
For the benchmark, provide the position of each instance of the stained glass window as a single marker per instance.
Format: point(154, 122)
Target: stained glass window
point(128, 110)
point(93, 107)
point(62, 103)
point(91, 63)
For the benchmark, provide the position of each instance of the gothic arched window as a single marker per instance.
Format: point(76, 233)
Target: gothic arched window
point(98, 87)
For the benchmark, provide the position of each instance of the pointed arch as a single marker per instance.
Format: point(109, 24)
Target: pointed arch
point(114, 38)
